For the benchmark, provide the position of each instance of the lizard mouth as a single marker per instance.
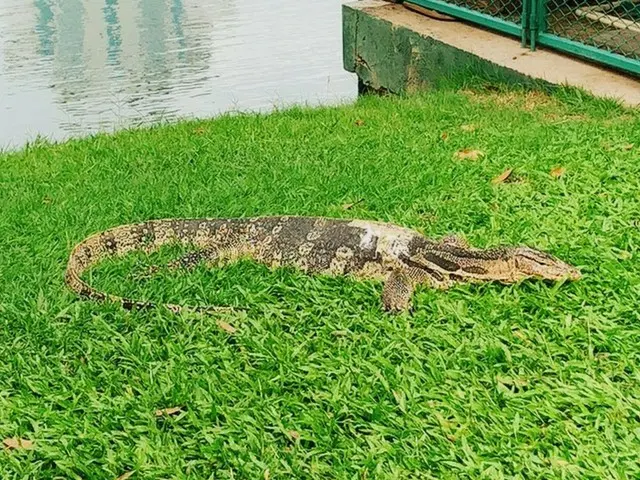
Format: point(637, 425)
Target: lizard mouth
point(574, 274)
point(565, 272)
point(534, 263)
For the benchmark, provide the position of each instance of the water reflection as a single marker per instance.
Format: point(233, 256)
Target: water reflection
point(70, 67)
point(114, 42)
point(44, 27)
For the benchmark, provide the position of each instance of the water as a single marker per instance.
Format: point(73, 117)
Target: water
point(74, 67)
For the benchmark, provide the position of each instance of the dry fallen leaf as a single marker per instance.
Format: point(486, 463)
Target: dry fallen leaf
point(124, 476)
point(468, 127)
point(557, 172)
point(624, 146)
point(14, 443)
point(293, 434)
point(469, 154)
point(558, 462)
point(512, 382)
point(622, 254)
point(444, 136)
point(519, 334)
point(226, 327)
point(168, 411)
point(359, 123)
point(199, 130)
point(348, 206)
point(502, 177)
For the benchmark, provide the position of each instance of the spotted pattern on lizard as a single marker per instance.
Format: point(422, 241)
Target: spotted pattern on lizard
point(400, 257)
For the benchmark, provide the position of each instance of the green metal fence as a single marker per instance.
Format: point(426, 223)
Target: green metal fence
point(600, 30)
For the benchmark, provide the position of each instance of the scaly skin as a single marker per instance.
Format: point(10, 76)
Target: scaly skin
point(399, 257)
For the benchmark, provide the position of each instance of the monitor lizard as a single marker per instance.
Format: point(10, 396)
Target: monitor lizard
point(400, 257)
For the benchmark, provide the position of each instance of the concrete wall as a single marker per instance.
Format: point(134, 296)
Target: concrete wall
point(394, 58)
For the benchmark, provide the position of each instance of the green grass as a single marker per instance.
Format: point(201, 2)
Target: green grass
point(482, 381)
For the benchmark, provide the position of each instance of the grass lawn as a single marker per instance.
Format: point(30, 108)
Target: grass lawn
point(482, 381)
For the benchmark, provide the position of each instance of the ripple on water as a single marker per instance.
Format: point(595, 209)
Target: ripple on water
point(69, 67)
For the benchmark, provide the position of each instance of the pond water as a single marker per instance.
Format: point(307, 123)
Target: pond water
point(73, 67)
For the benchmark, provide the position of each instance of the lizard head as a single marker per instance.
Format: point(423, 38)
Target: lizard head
point(504, 264)
point(529, 262)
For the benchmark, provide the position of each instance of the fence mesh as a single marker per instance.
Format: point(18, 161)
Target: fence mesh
point(508, 10)
point(612, 26)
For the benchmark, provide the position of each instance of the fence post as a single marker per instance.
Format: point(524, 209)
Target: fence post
point(526, 8)
point(533, 24)
point(542, 16)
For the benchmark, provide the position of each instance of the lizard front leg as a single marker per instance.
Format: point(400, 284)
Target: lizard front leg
point(401, 283)
point(397, 291)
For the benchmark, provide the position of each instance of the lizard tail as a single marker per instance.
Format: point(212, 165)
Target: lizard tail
point(117, 242)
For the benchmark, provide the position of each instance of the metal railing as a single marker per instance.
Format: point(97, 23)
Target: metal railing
point(604, 31)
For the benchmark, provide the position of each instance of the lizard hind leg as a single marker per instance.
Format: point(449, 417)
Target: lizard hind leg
point(212, 256)
point(186, 262)
point(191, 260)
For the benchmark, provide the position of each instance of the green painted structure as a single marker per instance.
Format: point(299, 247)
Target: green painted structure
point(603, 31)
point(395, 59)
